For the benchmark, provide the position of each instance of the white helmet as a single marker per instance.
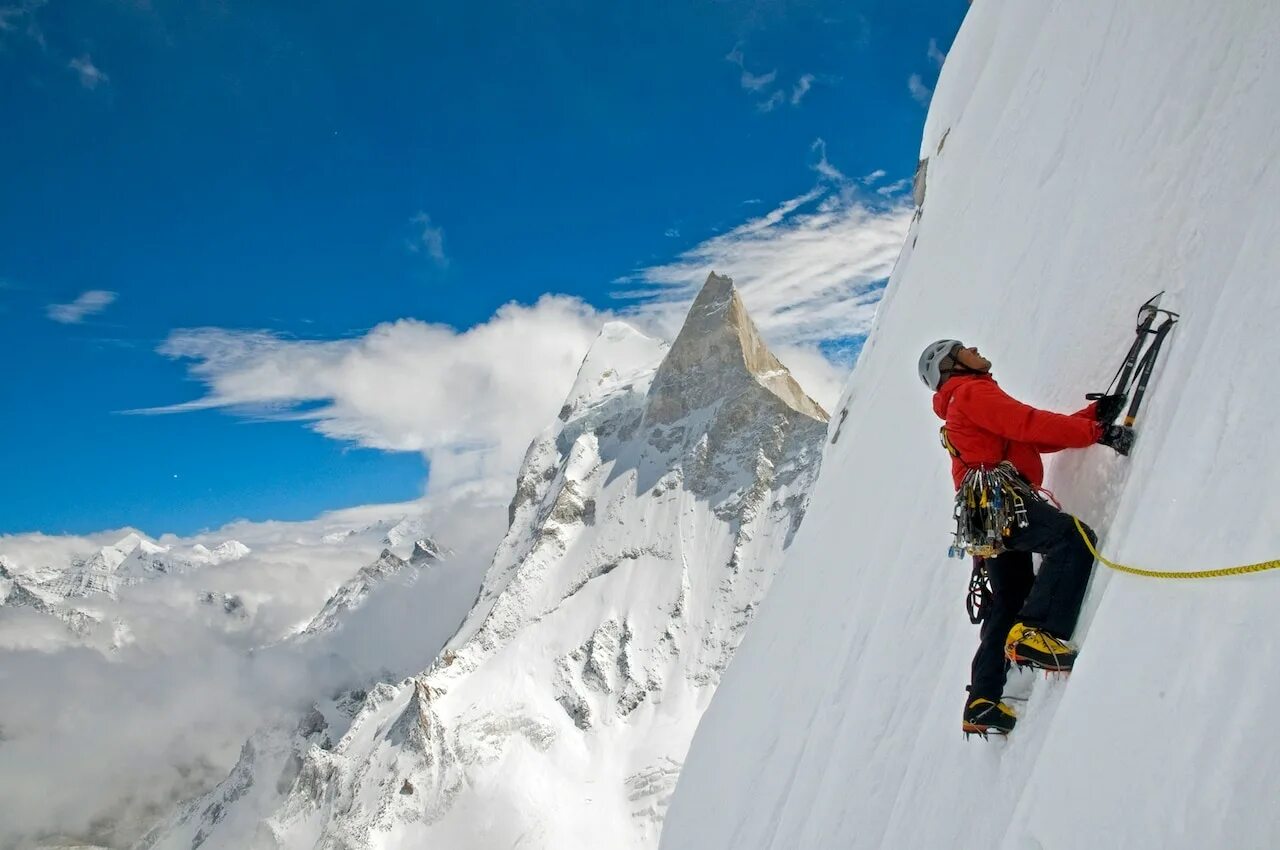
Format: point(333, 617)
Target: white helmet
point(931, 361)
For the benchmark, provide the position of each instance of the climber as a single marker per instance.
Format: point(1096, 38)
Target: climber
point(1029, 617)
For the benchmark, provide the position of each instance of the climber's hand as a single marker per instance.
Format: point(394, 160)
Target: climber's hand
point(1108, 407)
point(1118, 437)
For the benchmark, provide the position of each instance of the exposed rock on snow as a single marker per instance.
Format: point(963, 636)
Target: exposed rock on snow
point(231, 604)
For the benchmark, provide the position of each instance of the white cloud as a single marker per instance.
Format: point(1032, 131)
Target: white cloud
point(90, 75)
point(919, 91)
point(757, 82)
point(469, 401)
point(801, 88)
point(429, 238)
point(88, 304)
point(672, 233)
point(823, 166)
point(936, 56)
point(868, 179)
point(894, 187)
point(751, 82)
point(771, 102)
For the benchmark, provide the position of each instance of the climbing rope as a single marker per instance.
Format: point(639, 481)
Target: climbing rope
point(1225, 571)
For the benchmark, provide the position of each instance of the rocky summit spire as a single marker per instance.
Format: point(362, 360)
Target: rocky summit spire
point(719, 354)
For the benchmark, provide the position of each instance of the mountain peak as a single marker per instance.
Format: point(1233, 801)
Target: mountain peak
point(718, 346)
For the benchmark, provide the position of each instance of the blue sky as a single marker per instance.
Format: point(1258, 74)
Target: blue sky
point(312, 171)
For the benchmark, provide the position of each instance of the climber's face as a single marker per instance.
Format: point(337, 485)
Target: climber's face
point(971, 359)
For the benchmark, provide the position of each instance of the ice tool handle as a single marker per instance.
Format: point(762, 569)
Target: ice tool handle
point(1138, 364)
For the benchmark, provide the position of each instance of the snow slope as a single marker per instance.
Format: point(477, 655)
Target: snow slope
point(1082, 156)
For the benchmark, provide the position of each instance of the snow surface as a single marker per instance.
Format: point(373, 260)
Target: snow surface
point(1082, 156)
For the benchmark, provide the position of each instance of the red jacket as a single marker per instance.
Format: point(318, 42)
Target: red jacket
point(986, 426)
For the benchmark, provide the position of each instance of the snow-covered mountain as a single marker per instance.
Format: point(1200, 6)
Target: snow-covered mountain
point(1081, 157)
point(271, 759)
point(67, 592)
point(228, 550)
point(131, 560)
point(646, 526)
point(17, 591)
point(353, 593)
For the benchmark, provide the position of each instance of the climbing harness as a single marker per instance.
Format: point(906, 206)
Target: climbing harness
point(1259, 567)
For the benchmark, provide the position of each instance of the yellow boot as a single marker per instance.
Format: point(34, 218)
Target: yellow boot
point(982, 716)
point(1027, 645)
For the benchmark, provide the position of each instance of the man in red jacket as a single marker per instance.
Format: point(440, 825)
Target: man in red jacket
point(1030, 616)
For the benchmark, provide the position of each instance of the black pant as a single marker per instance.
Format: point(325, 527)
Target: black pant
point(1050, 601)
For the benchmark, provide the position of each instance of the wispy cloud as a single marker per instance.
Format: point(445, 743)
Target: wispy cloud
point(88, 304)
point(751, 82)
point(672, 232)
point(764, 84)
point(91, 76)
point(936, 56)
point(823, 166)
point(868, 179)
point(894, 187)
point(810, 272)
point(21, 18)
point(919, 91)
point(771, 102)
point(802, 87)
point(470, 401)
point(757, 82)
point(428, 237)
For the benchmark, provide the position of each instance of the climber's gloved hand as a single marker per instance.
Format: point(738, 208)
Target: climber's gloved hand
point(1108, 407)
point(1118, 437)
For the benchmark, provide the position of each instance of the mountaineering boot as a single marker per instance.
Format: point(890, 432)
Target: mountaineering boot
point(982, 716)
point(1037, 648)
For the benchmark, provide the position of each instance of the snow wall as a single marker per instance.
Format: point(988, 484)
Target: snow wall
point(1083, 155)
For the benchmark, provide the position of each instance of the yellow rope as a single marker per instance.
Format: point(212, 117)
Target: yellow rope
point(1225, 571)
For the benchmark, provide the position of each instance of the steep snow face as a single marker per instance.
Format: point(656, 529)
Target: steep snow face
point(1082, 156)
point(646, 526)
